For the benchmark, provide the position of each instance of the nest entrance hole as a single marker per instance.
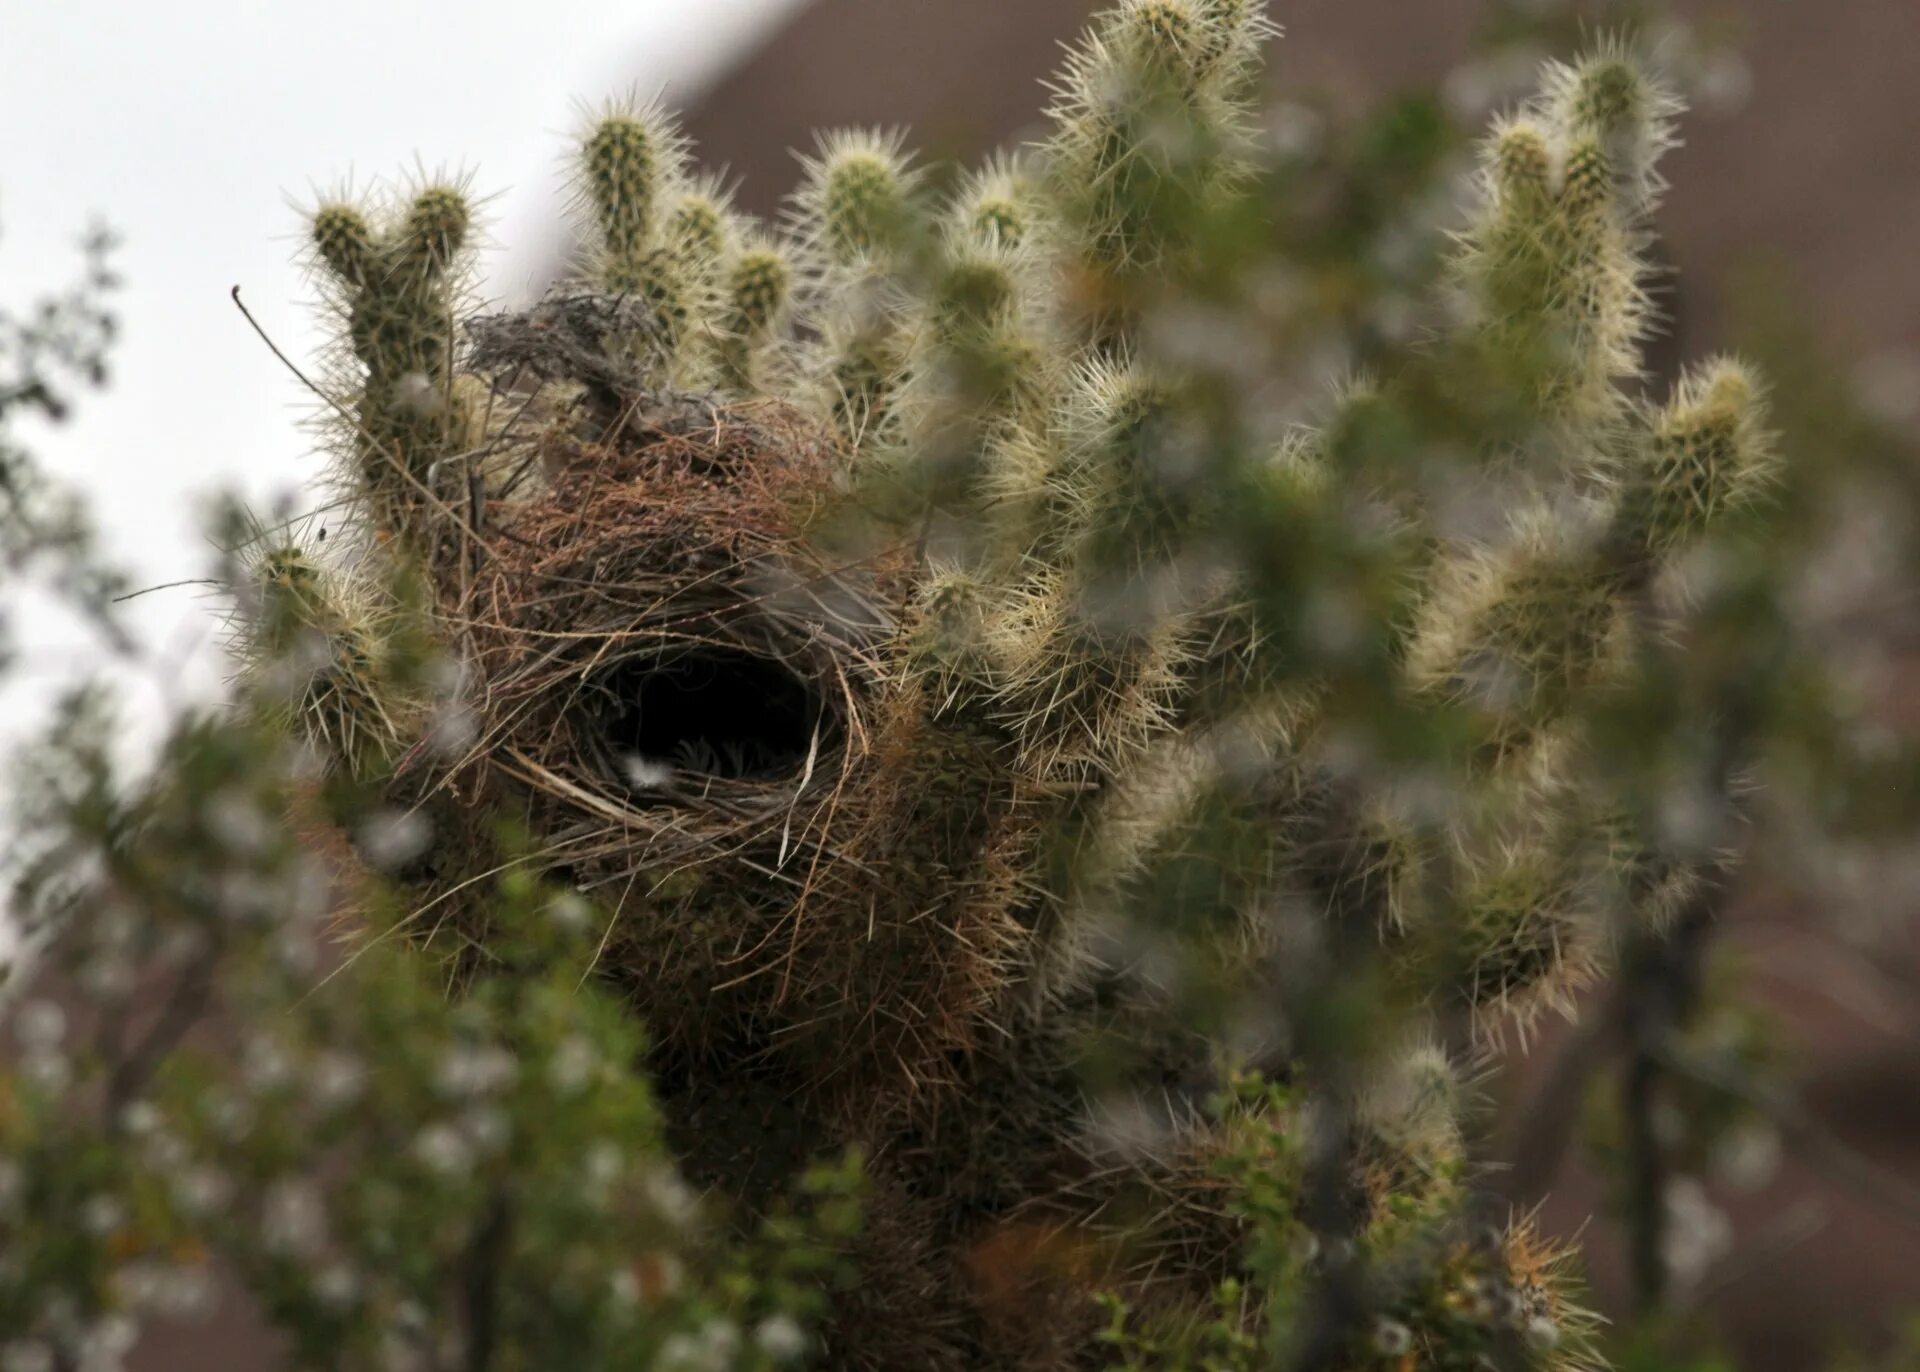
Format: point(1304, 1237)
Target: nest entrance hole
point(713, 710)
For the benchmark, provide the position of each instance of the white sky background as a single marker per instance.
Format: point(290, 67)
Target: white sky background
point(193, 128)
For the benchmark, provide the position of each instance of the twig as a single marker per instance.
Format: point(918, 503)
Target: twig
point(182, 1010)
point(1660, 985)
point(480, 1280)
point(167, 586)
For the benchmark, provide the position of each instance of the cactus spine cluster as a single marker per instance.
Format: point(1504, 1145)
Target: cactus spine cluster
point(1076, 737)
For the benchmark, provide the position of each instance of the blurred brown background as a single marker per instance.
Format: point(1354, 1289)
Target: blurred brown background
point(1821, 165)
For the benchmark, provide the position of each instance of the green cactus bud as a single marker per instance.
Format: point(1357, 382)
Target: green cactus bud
point(1610, 98)
point(1147, 139)
point(998, 220)
point(978, 362)
point(396, 292)
point(864, 371)
point(973, 289)
point(1296, 472)
point(1522, 168)
point(759, 285)
point(1410, 1113)
point(343, 241)
point(1168, 39)
point(1237, 29)
point(1605, 93)
point(315, 646)
point(628, 159)
point(1553, 275)
point(996, 205)
point(436, 227)
point(1008, 371)
point(1128, 490)
point(1080, 699)
point(660, 277)
point(292, 595)
point(1586, 189)
point(1525, 939)
point(1520, 630)
point(699, 226)
point(1705, 453)
point(950, 643)
point(756, 297)
point(856, 202)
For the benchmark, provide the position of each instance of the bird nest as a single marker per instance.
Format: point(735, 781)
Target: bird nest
point(678, 693)
point(691, 704)
point(662, 658)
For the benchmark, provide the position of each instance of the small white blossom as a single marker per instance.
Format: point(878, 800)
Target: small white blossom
point(336, 1080)
point(176, 1292)
point(443, 1148)
point(238, 822)
point(107, 978)
point(780, 1338)
point(603, 1165)
point(265, 1066)
point(572, 1064)
point(336, 1285)
point(200, 1191)
point(393, 838)
point(680, 1353)
point(488, 1129)
point(230, 1116)
point(467, 1071)
point(417, 394)
point(140, 1119)
point(624, 1287)
point(1749, 1156)
point(104, 1347)
point(102, 1214)
point(29, 1355)
point(569, 911)
point(1698, 1235)
point(295, 952)
point(708, 1351)
point(671, 1196)
point(1392, 1337)
point(46, 1068)
point(40, 1024)
point(293, 1218)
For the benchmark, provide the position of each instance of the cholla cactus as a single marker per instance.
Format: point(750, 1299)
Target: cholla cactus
point(896, 830)
point(318, 658)
point(1553, 268)
point(397, 291)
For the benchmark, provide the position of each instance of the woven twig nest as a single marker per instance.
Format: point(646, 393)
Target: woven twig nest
point(696, 715)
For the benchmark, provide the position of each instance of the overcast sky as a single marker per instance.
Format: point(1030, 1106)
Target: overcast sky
point(193, 127)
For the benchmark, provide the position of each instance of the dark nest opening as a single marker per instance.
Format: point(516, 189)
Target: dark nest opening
point(670, 673)
point(709, 709)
